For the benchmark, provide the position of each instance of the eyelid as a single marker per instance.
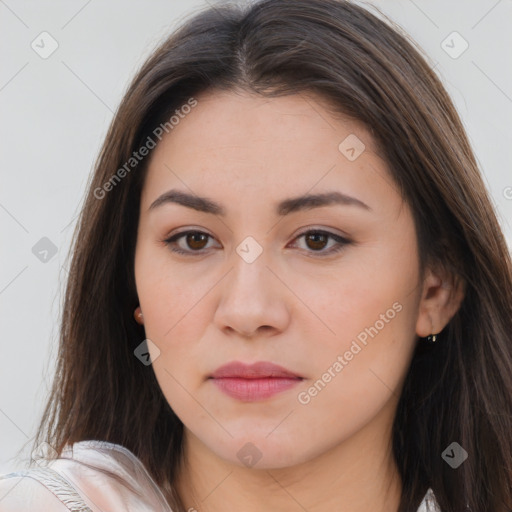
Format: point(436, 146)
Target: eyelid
point(325, 230)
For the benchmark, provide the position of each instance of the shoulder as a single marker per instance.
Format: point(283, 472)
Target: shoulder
point(87, 475)
point(24, 494)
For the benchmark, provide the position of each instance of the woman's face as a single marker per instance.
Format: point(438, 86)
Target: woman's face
point(268, 280)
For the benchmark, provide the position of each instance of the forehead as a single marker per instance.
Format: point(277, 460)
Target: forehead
point(241, 115)
point(241, 141)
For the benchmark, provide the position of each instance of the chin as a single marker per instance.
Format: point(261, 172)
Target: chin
point(260, 451)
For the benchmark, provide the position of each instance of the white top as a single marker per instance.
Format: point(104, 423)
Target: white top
point(95, 476)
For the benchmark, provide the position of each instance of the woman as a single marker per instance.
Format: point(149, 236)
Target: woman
point(289, 289)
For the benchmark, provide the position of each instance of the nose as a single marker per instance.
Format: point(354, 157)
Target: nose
point(253, 300)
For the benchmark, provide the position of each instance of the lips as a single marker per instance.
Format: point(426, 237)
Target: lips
point(258, 370)
point(254, 382)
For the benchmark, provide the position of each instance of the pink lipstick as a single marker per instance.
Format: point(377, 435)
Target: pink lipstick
point(253, 382)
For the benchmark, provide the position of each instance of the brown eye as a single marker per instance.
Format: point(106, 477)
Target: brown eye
point(196, 240)
point(316, 241)
point(193, 242)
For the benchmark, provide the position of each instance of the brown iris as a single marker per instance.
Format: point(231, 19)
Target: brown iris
point(316, 238)
point(194, 240)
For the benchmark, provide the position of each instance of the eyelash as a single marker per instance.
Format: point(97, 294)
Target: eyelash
point(340, 241)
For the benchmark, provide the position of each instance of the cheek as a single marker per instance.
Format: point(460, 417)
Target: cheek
point(370, 308)
point(369, 290)
point(169, 295)
point(359, 373)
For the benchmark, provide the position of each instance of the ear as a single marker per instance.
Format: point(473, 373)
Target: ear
point(441, 298)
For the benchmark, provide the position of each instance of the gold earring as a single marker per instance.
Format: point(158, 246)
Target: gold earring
point(137, 314)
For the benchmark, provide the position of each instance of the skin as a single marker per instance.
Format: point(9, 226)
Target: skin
point(290, 306)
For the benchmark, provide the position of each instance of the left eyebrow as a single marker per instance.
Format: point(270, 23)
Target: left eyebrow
point(291, 205)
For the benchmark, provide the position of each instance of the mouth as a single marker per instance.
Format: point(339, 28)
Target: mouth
point(254, 382)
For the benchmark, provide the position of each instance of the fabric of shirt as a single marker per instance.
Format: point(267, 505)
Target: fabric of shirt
point(95, 476)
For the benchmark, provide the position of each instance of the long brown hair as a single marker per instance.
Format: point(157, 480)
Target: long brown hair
point(459, 390)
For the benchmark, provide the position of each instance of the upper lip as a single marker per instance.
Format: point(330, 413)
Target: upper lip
point(259, 370)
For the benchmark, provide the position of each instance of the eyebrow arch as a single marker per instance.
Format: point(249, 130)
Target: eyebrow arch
point(291, 205)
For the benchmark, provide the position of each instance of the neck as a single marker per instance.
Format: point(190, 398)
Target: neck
point(357, 475)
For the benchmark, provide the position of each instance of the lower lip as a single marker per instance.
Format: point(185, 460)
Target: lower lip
point(251, 390)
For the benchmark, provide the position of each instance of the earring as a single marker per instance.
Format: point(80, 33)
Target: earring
point(432, 337)
point(137, 314)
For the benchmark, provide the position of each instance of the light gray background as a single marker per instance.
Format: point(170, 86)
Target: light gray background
point(55, 113)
